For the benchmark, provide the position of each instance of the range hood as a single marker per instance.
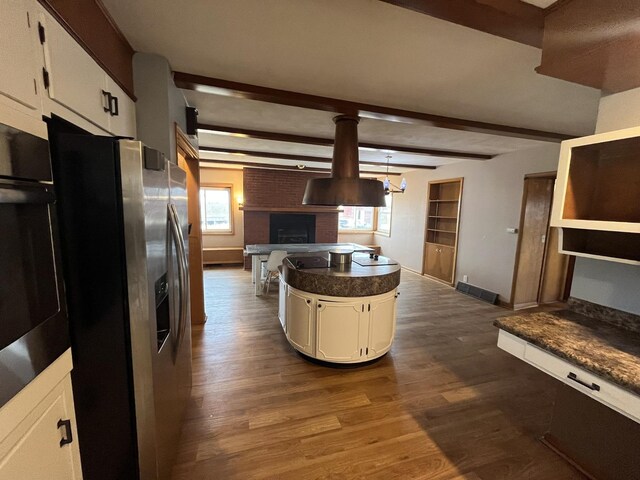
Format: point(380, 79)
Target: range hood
point(345, 187)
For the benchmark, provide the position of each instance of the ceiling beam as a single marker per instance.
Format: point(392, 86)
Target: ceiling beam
point(228, 88)
point(304, 158)
point(510, 19)
point(288, 167)
point(303, 139)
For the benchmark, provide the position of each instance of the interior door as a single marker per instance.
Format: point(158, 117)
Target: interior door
point(538, 194)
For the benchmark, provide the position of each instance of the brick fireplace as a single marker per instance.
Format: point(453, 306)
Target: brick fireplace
point(274, 193)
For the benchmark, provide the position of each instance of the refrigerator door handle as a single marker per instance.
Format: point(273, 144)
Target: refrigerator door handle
point(175, 235)
point(183, 269)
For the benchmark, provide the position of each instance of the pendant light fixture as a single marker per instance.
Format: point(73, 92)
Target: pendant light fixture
point(389, 187)
point(345, 187)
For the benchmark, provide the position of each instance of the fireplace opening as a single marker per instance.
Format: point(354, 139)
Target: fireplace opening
point(292, 228)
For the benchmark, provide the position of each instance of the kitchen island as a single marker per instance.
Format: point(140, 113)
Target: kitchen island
point(259, 254)
point(339, 313)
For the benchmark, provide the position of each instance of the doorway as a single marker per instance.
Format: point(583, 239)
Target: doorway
point(542, 275)
point(188, 160)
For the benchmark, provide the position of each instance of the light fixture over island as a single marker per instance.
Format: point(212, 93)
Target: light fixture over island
point(340, 309)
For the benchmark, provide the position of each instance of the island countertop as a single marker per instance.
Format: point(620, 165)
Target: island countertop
point(352, 280)
point(601, 347)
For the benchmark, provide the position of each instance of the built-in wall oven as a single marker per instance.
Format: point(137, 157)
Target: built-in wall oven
point(33, 323)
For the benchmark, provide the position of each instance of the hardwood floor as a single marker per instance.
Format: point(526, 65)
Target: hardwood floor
point(445, 403)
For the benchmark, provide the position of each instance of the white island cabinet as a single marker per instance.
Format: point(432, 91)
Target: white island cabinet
point(38, 437)
point(299, 317)
point(340, 329)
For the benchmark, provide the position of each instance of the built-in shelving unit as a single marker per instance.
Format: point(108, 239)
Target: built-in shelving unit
point(597, 201)
point(443, 219)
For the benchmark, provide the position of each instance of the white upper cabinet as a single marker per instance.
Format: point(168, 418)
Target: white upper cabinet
point(597, 197)
point(75, 80)
point(122, 112)
point(18, 56)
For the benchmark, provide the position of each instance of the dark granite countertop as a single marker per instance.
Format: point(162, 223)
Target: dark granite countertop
point(291, 248)
point(351, 280)
point(595, 344)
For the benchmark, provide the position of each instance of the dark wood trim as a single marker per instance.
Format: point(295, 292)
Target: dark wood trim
point(553, 175)
point(288, 167)
point(510, 19)
point(91, 25)
point(182, 142)
point(568, 281)
point(305, 158)
point(303, 139)
point(229, 88)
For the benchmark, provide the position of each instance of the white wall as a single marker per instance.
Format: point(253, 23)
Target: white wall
point(233, 177)
point(491, 202)
point(159, 106)
point(612, 284)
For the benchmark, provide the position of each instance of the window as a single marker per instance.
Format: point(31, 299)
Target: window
point(356, 218)
point(216, 209)
point(384, 216)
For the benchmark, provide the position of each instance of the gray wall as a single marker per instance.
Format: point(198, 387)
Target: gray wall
point(159, 104)
point(491, 202)
point(612, 284)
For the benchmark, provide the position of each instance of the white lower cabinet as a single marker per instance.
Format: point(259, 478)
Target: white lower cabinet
point(300, 320)
point(382, 326)
point(337, 329)
point(40, 444)
point(601, 390)
point(282, 304)
point(341, 330)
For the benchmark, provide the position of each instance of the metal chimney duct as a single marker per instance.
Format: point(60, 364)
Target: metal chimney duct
point(345, 187)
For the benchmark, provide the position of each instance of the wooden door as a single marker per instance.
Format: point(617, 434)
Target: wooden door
point(536, 278)
point(446, 257)
point(188, 161)
point(555, 270)
point(431, 261)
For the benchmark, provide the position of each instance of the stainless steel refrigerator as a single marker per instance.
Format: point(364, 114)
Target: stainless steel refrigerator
point(122, 209)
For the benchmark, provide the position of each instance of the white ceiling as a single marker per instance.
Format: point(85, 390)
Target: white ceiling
point(360, 50)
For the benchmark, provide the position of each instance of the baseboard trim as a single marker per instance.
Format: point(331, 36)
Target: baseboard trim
point(223, 255)
point(411, 270)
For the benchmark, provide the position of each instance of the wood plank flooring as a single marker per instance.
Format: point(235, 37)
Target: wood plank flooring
point(445, 403)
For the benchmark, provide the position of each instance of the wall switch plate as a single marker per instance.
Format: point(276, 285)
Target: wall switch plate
point(512, 230)
point(465, 278)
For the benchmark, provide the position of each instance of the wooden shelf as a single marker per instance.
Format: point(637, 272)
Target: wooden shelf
point(443, 217)
point(440, 244)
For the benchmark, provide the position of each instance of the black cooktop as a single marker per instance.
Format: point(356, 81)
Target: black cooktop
point(302, 263)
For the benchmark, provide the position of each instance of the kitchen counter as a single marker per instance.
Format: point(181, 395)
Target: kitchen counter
point(351, 280)
point(603, 341)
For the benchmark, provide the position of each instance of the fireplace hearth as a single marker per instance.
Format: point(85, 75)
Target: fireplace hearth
point(292, 228)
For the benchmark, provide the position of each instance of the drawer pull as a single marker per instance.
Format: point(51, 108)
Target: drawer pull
point(68, 438)
point(593, 386)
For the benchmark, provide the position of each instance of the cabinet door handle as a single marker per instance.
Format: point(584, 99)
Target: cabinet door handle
point(593, 386)
point(68, 436)
point(113, 106)
point(108, 98)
